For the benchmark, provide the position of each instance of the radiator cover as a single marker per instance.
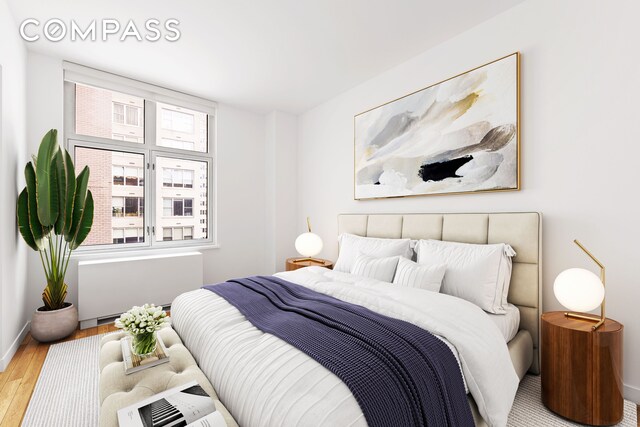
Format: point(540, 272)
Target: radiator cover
point(109, 287)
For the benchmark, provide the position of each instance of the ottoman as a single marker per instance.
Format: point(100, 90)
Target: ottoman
point(118, 390)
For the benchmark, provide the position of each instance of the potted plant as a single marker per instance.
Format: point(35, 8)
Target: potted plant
point(55, 214)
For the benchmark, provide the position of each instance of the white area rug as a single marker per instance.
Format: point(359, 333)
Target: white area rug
point(66, 394)
point(528, 409)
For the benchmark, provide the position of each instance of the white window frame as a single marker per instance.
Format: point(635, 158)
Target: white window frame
point(75, 74)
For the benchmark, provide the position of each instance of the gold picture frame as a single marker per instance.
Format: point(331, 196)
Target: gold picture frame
point(496, 84)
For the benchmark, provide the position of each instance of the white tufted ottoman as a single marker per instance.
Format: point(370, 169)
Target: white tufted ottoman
point(118, 390)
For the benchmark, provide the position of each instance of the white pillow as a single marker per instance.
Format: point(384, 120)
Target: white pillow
point(375, 268)
point(351, 246)
point(413, 275)
point(480, 274)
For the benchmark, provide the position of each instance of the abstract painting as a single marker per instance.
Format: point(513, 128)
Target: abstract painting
point(460, 135)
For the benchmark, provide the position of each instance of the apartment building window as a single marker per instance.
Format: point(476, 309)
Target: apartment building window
point(178, 178)
point(126, 114)
point(177, 233)
point(132, 176)
point(128, 235)
point(128, 139)
point(177, 207)
point(127, 206)
point(176, 120)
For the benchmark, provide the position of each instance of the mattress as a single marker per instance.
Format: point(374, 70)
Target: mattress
point(507, 323)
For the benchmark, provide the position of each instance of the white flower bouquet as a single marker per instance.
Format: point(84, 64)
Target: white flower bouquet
point(142, 323)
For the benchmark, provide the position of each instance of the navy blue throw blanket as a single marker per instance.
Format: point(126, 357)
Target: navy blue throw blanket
point(400, 374)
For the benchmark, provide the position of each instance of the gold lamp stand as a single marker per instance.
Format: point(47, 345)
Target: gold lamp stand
point(599, 321)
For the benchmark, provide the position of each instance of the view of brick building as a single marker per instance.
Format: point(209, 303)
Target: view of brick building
point(117, 178)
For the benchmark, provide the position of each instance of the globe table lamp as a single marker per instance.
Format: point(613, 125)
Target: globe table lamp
point(308, 245)
point(581, 290)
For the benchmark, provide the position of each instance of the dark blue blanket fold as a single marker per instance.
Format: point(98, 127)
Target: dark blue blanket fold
point(400, 374)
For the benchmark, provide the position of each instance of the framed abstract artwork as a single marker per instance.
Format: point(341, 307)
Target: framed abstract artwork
point(461, 135)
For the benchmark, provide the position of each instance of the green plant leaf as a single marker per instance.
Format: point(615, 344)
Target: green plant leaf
point(46, 185)
point(61, 173)
point(82, 184)
point(84, 224)
point(71, 190)
point(37, 230)
point(22, 212)
point(66, 190)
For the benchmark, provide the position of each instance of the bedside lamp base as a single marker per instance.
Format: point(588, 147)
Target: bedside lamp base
point(319, 261)
point(599, 320)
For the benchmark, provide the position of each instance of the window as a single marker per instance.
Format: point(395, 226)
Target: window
point(175, 120)
point(128, 235)
point(177, 233)
point(182, 128)
point(177, 178)
point(104, 113)
point(177, 207)
point(127, 206)
point(118, 113)
point(129, 140)
point(128, 176)
point(126, 114)
point(117, 207)
point(118, 175)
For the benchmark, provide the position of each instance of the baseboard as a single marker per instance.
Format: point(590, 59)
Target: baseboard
point(4, 362)
point(632, 393)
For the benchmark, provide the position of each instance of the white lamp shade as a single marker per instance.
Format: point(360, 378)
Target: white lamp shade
point(308, 244)
point(578, 289)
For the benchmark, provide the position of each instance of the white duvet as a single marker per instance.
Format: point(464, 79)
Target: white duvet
point(264, 381)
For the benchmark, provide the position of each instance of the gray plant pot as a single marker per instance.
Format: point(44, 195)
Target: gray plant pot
point(54, 325)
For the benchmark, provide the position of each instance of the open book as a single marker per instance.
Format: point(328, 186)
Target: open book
point(187, 405)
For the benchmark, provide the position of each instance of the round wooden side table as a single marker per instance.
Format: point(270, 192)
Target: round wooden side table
point(582, 369)
point(294, 263)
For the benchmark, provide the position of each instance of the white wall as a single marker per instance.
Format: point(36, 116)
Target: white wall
point(240, 176)
point(13, 292)
point(580, 142)
point(281, 187)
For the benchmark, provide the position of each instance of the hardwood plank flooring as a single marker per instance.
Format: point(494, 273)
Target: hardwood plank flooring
point(19, 379)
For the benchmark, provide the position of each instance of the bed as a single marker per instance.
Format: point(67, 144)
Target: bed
point(264, 381)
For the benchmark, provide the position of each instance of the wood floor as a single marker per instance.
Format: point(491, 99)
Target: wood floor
point(19, 379)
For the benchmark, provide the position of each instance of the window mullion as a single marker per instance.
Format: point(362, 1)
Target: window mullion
point(150, 143)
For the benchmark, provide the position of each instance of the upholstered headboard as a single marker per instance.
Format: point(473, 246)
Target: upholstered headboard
point(522, 230)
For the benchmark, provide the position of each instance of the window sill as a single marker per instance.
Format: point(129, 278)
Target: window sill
point(91, 254)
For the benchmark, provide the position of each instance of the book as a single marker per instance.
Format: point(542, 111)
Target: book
point(134, 363)
point(187, 405)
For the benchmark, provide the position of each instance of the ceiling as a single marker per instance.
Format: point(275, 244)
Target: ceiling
point(263, 55)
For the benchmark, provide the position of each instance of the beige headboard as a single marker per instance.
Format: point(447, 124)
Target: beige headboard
point(522, 230)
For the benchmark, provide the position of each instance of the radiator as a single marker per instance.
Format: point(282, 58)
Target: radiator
point(109, 287)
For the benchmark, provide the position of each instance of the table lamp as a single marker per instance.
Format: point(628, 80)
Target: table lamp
point(581, 290)
point(308, 245)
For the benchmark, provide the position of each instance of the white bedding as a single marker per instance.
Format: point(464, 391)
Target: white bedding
point(507, 323)
point(264, 381)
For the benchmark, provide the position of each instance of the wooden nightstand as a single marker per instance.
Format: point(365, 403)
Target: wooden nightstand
point(582, 369)
point(292, 265)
